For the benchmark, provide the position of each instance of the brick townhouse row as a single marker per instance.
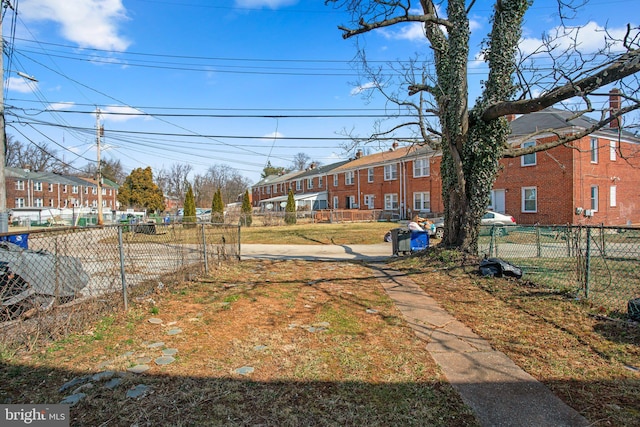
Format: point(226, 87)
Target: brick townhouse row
point(28, 189)
point(593, 180)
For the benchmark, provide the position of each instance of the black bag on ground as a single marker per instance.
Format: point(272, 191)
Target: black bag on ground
point(633, 308)
point(497, 267)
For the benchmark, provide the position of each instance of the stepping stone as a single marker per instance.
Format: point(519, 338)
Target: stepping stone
point(103, 376)
point(155, 321)
point(143, 360)
point(138, 391)
point(128, 354)
point(73, 399)
point(164, 360)
point(372, 311)
point(260, 347)
point(138, 369)
point(171, 323)
point(245, 370)
point(74, 382)
point(156, 344)
point(113, 383)
point(174, 331)
point(170, 351)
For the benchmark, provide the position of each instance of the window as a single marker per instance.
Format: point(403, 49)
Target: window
point(320, 181)
point(613, 155)
point(594, 150)
point(19, 202)
point(368, 200)
point(335, 179)
point(528, 159)
point(64, 188)
point(86, 190)
point(529, 199)
point(351, 202)
point(370, 175)
point(38, 203)
point(390, 201)
point(51, 203)
point(37, 186)
point(421, 168)
point(594, 198)
point(335, 202)
point(94, 190)
point(74, 189)
point(298, 185)
point(50, 188)
point(348, 178)
point(310, 183)
point(612, 196)
point(94, 204)
point(19, 185)
point(422, 202)
point(391, 172)
point(104, 191)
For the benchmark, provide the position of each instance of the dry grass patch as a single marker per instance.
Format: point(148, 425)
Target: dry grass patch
point(590, 362)
point(321, 342)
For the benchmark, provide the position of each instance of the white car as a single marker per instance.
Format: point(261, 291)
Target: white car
point(495, 218)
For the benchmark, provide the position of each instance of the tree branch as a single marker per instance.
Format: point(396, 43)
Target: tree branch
point(365, 27)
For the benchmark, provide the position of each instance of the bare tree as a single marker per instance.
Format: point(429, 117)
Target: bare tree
point(232, 185)
point(300, 161)
point(35, 157)
point(173, 182)
point(473, 139)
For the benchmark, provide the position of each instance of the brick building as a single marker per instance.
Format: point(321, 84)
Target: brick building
point(27, 189)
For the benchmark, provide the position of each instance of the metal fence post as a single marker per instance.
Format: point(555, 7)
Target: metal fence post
point(204, 251)
point(239, 236)
point(122, 274)
point(538, 245)
point(587, 264)
point(492, 244)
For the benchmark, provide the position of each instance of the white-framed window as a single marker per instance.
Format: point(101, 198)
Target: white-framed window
point(74, 189)
point(104, 191)
point(268, 190)
point(320, 181)
point(298, 184)
point(86, 190)
point(19, 202)
point(94, 203)
point(335, 179)
point(310, 183)
point(613, 201)
point(348, 178)
point(64, 188)
point(370, 175)
point(352, 202)
point(391, 172)
point(335, 202)
point(594, 198)
point(38, 202)
point(391, 201)
point(94, 190)
point(528, 159)
point(50, 188)
point(593, 148)
point(369, 201)
point(421, 167)
point(422, 201)
point(19, 185)
point(613, 152)
point(51, 203)
point(529, 199)
point(37, 186)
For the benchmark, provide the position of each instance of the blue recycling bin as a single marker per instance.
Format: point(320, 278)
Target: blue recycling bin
point(21, 240)
point(419, 240)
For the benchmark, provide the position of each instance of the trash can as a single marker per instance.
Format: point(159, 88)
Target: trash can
point(419, 240)
point(401, 240)
point(21, 240)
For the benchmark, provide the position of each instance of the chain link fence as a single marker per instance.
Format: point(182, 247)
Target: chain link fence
point(58, 280)
point(596, 263)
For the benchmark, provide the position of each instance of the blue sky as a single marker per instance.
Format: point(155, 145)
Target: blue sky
point(210, 82)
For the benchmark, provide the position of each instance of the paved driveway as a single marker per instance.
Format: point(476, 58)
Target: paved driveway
point(369, 253)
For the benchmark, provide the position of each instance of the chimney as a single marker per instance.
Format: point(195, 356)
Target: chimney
point(394, 146)
point(358, 153)
point(614, 106)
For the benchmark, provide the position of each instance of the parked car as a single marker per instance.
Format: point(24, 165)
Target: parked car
point(495, 218)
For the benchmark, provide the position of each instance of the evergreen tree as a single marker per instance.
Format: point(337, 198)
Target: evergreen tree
point(245, 217)
point(189, 213)
point(139, 191)
point(217, 207)
point(290, 210)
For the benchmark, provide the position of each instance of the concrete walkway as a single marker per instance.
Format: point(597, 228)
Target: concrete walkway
point(496, 389)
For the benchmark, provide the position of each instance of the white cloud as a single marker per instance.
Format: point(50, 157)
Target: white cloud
point(22, 85)
point(589, 38)
point(60, 105)
point(89, 23)
point(362, 88)
point(273, 135)
point(271, 4)
point(120, 113)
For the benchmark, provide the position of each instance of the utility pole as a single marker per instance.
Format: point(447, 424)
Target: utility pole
point(4, 215)
point(99, 134)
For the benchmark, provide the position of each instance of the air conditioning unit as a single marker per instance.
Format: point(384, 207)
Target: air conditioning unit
point(579, 211)
point(588, 212)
